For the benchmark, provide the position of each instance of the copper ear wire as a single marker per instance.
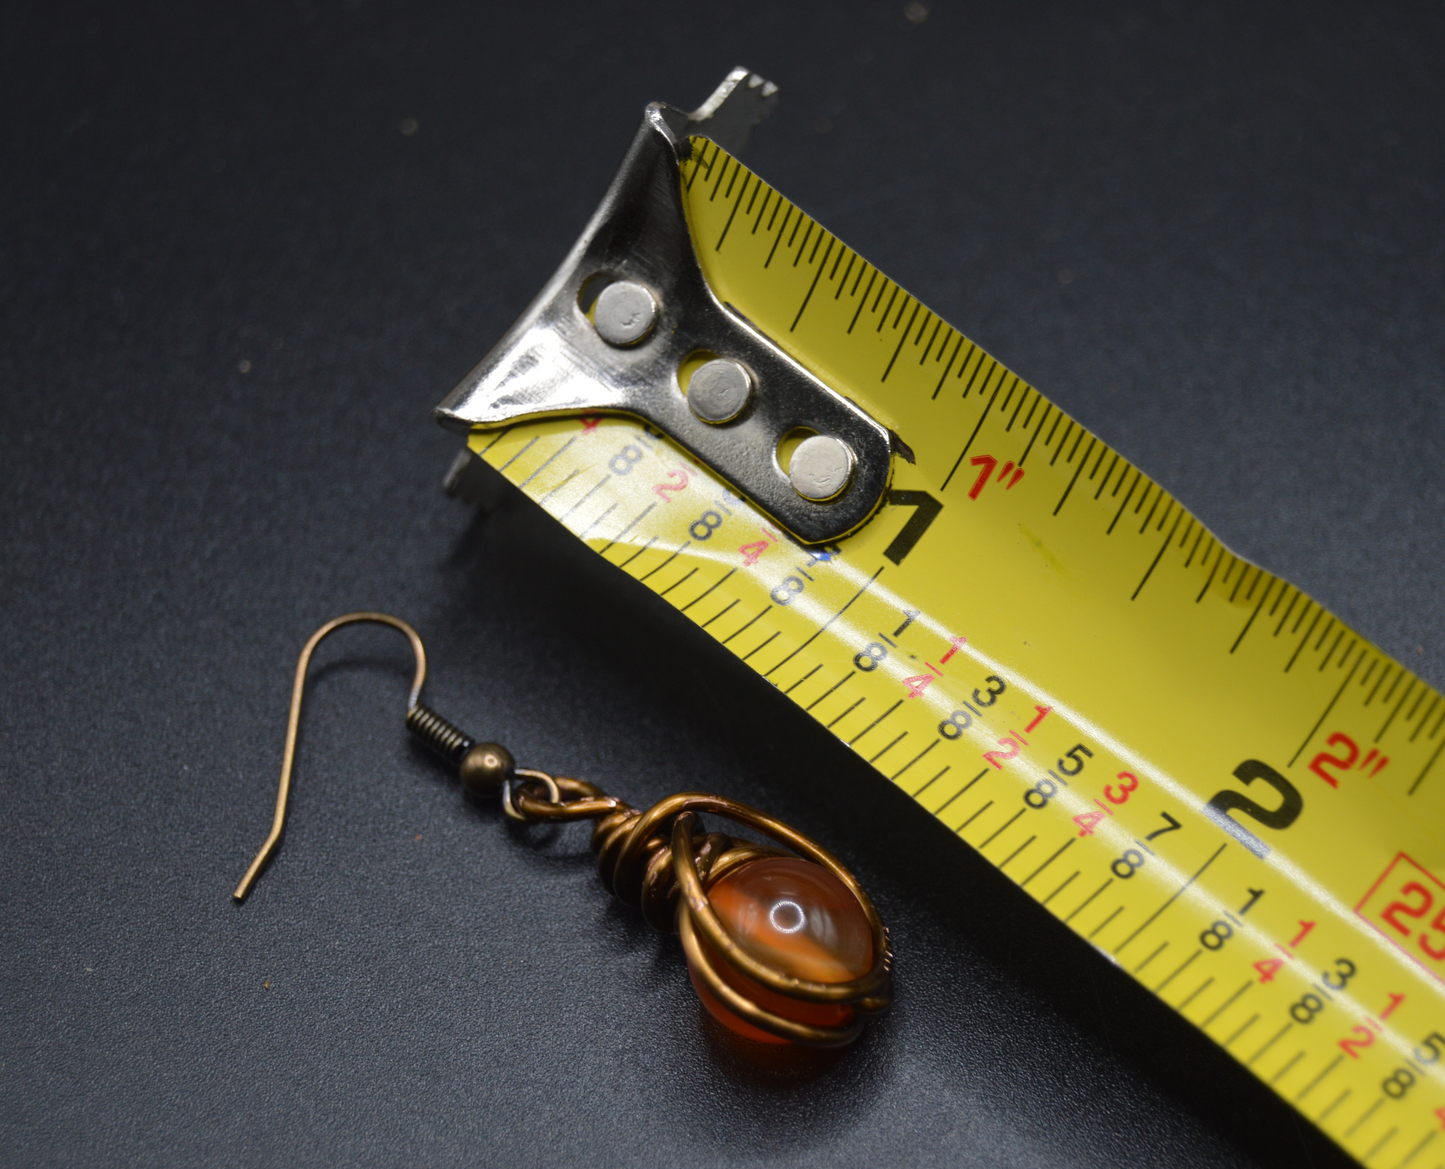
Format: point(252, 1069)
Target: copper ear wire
point(298, 687)
point(659, 860)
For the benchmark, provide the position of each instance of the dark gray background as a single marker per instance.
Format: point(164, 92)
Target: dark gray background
point(1212, 232)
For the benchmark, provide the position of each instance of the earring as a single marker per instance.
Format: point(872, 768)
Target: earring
point(782, 944)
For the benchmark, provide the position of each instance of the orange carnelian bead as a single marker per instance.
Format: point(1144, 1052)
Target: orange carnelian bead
point(797, 917)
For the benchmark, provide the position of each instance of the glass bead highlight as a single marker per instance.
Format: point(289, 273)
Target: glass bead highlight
point(795, 916)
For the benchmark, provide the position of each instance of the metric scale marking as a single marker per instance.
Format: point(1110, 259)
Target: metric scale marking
point(1197, 768)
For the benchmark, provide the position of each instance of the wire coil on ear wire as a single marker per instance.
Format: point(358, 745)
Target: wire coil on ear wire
point(438, 734)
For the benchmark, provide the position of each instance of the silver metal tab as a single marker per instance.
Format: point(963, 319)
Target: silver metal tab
point(737, 105)
point(554, 361)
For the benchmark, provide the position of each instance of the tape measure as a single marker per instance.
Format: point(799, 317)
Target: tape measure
point(1197, 768)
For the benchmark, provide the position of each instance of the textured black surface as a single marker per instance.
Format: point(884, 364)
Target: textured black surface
point(1212, 233)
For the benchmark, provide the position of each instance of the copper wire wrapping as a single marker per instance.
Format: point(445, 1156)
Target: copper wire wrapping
point(661, 861)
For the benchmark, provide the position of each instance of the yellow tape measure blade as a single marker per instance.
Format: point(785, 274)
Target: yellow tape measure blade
point(1228, 792)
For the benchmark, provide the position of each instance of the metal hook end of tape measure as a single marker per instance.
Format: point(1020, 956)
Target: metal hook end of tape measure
point(630, 309)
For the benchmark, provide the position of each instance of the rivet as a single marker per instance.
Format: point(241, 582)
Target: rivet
point(821, 467)
point(625, 313)
point(719, 390)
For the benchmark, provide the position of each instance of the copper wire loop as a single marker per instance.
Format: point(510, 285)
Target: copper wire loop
point(663, 862)
point(527, 776)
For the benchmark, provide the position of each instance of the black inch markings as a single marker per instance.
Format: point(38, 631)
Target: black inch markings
point(938, 811)
point(707, 590)
point(1153, 917)
point(1088, 900)
point(1164, 547)
point(925, 511)
point(1226, 1004)
point(875, 722)
point(825, 626)
point(1063, 499)
point(983, 416)
point(1055, 856)
point(895, 776)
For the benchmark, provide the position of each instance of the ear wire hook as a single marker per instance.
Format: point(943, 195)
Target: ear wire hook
point(298, 687)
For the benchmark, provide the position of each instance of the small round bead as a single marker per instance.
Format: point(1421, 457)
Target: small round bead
point(797, 917)
point(485, 768)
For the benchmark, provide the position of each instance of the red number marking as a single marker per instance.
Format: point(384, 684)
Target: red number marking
point(954, 645)
point(1087, 822)
point(997, 758)
point(1366, 761)
point(1397, 907)
point(1043, 710)
point(589, 422)
point(1351, 1046)
point(1305, 927)
point(1324, 757)
point(917, 684)
point(1019, 474)
point(1268, 968)
point(677, 482)
point(752, 552)
point(1007, 467)
point(1400, 902)
point(1124, 788)
point(1108, 810)
point(1437, 924)
point(1395, 1001)
point(1440, 1116)
point(988, 463)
